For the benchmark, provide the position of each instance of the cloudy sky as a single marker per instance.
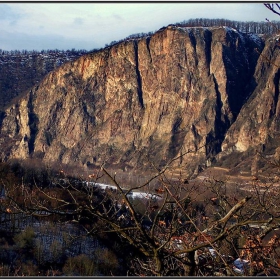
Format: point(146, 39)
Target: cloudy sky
point(38, 26)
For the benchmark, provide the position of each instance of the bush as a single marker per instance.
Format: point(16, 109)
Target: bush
point(5, 270)
point(107, 261)
point(80, 265)
point(25, 240)
point(29, 269)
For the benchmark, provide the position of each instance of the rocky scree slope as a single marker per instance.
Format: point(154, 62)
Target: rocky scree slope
point(149, 99)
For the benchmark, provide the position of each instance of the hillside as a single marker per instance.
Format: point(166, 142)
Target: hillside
point(20, 70)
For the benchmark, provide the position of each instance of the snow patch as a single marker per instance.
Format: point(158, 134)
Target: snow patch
point(255, 38)
point(132, 194)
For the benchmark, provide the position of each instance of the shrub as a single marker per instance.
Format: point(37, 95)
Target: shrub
point(106, 260)
point(5, 270)
point(80, 265)
point(56, 251)
point(25, 240)
point(29, 269)
point(39, 252)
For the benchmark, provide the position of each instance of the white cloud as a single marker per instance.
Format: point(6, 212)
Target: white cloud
point(78, 21)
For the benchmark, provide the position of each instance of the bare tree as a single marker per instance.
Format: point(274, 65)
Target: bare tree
point(273, 7)
point(174, 227)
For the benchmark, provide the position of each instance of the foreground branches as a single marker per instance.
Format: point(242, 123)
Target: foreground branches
point(170, 226)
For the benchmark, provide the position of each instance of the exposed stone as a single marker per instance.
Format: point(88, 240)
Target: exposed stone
point(154, 98)
point(256, 128)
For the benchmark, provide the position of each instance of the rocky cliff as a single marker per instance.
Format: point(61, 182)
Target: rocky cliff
point(252, 142)
point(211, 91)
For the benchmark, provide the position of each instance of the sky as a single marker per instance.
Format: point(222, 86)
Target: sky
point(89, 25)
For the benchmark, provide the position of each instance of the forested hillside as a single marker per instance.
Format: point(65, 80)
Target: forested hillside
point(20, 70)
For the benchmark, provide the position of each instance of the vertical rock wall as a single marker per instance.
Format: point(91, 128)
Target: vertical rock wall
point(149, 99)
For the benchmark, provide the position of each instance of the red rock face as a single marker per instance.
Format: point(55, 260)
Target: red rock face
point(182, 89)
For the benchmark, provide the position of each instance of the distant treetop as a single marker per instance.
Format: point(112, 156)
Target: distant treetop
point(263, 27)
